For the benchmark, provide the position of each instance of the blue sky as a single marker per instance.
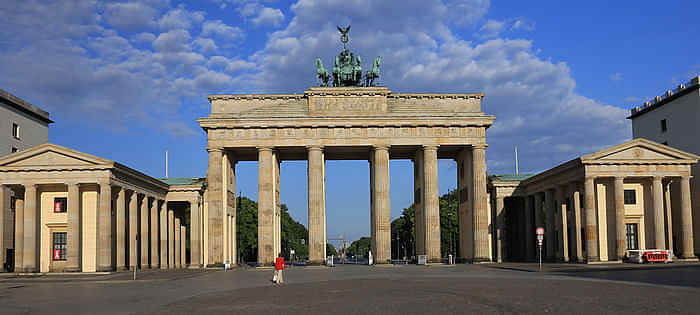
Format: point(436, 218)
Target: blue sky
point(126, 80)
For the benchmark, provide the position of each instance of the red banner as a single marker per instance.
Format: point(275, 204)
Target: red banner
point(56, 254)
point(57, 206)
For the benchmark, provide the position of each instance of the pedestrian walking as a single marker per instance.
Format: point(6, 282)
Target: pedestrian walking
point(279, 268)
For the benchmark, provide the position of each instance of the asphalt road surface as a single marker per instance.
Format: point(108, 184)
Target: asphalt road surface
point(352, 289)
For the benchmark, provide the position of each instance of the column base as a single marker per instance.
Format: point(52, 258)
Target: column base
point(194, 266)
point(122, 268)
point(164, 267)
point(67, 269)
point(688, 259)
point(481, 260)
point(104, 269)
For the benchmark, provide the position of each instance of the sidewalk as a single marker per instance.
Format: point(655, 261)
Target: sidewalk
point(574, 267)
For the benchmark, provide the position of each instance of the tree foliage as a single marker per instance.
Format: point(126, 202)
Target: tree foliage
point(294, 234)
point(330, 250)
point(359, 247)
point(403, 228)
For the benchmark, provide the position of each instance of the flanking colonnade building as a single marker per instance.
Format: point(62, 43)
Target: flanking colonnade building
point(597, 207)
point(65, 210)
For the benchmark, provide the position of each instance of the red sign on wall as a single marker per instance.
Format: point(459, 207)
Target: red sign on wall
point(57, 206)
point(56, 254)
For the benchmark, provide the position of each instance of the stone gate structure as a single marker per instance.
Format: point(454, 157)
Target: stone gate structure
point(346, 123)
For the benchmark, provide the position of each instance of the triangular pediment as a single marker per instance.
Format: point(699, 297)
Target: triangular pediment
point(639, 149)
point(51, 155)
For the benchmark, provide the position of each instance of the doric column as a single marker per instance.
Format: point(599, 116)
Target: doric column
point(133, 229)
point(30, 226)
point(19, 233)
point(143, 235)
point(686, 219)
point(104, 228)
point(431, 202)
point(591, 223)
point(266, 207)
point(194, 234)
point(500, 228)
point(155, 263)
point(121, 229)
point(466, 226)
point(381, 241)
point(481, 215)
point(669, 217)
point(539, 217)
point(183, 247)
point(317, 206)
point(73, 236)
point(564, 233)
point(549, 222)
point(576, 204)
point(418, 201)
point(529, 230)
point(171, 238)
point(659, 225)
point(620, 232)
point(163, 218)
point(215, 208)
point(178, 247)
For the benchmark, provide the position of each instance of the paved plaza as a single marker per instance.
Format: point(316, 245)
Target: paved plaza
point(351, 289)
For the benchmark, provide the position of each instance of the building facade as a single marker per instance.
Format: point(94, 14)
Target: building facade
point(66, 210)
point(674, 119)
point(599, 206)
point(22, 125)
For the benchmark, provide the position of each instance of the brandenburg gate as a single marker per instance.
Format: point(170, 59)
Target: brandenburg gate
point(347, 121)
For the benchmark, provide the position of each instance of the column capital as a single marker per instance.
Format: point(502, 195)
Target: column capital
point(619, 178)
point(381, 147)
point(431, 147)
point(590, 178)
point(264, 149)
point(479, 146)
point(107, 181)
point(214, 149)
point(315, 147)
point(29, 185)
point(657, 178)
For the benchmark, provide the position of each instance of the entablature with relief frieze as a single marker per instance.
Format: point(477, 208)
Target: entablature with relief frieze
point(245, 137)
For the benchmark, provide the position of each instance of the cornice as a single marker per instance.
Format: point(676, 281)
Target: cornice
point(253, 97)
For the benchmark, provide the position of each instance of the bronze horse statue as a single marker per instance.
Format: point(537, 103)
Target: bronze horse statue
point(373, 74)
point(322, 73)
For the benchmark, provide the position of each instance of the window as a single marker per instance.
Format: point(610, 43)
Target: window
point(630, 197)
point(14, 149)
point(59, 246)
point(15, 130)
point(663, 125)
point(632, 240)
point(59, 204)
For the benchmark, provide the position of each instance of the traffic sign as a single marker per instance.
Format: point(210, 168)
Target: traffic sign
point(540, 231)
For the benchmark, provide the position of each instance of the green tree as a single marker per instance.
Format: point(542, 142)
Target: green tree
point(294, 235)
point(359, 247)
point(403, 228)
point(247, 229)
point(330, 250)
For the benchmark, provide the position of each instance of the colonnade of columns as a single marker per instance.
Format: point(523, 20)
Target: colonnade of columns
point(553, 205)
point(161, 236)
point(473, 203)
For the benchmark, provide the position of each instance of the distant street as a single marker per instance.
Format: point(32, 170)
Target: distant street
point(358, 289)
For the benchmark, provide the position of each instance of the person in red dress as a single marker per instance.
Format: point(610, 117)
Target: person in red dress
point(279, 268)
